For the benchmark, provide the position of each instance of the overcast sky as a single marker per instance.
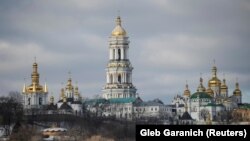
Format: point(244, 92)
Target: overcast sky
point(171, 41)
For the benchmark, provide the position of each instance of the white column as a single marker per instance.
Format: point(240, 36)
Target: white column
point(110, 53)
point(116, 53)
point(114, 78)
point(123, 77)
point(33, 100)
point(122, 53)
point(108, 81)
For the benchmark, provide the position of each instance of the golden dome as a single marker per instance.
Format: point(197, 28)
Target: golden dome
point(214, 81)
point(210, 91)
point(69, 85)
point(76, 91)
point(62, 93)
point(34, 64)
point(118, 30)
point(201, 88)
point(224, 86)
point(34, 88)
point(237, 91)
point(186, 91)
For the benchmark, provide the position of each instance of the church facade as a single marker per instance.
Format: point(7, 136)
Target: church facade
point(34, 95)
point(119, 96)
point(211, 103)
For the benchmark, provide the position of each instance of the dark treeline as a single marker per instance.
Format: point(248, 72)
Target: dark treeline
point(84, 127)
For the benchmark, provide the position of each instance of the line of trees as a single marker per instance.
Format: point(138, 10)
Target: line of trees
point(11, 111)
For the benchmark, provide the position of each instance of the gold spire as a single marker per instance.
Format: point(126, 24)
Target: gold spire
point(224, 87)
point(45, 88)
point(237, 91)
point(24, 87)
point(62, 93)
point(214, 81)
point(118, 30)
point(35, 74)
point(34, 87)
point(186, 91)
point(76, 92)
point(201, 88)
point(69, 84)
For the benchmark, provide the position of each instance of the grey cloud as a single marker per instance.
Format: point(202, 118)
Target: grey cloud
point(171, 42)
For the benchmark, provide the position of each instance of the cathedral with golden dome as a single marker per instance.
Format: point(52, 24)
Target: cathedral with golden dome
point(70, 100)
point(208, 103)
point(35, 95)
point(119, 96)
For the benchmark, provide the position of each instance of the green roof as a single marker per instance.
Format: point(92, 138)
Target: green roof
point(244, 106)
point(201, 95)
point(122, 100)
point(213, 104)
point(111, 101)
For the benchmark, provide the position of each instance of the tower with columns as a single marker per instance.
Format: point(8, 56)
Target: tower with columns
point(119, 69)
point(34, 95)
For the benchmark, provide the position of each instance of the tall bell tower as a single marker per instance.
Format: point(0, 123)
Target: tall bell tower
point(119, 69)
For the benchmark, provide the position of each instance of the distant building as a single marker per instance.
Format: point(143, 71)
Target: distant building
point(241, 114)
point(119, 69)
point(186, 119)
point(155, 109)
point(35, 95)
point(119, 98)
point(210, 103)
point(70, 100)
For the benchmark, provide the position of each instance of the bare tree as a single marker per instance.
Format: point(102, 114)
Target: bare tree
point(204, 114)
point(11, 112)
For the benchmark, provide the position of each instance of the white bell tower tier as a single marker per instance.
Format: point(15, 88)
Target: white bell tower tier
point(119, 69)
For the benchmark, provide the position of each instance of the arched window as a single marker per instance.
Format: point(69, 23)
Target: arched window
point(113, 53)
point(111, 78)
point(40, 101)
point(119, 54)
point(119, 78)
point(124, 54)
point(28, 101)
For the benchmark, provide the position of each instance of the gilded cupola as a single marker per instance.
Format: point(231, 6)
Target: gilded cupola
point(35, 86)
point(69, 84)
point(62, 94)
point(201, 88)
point(76, 92)
point(224, 87)
point(118, 30)
point(186, 91)
point(237, 91)
point(214, 81)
